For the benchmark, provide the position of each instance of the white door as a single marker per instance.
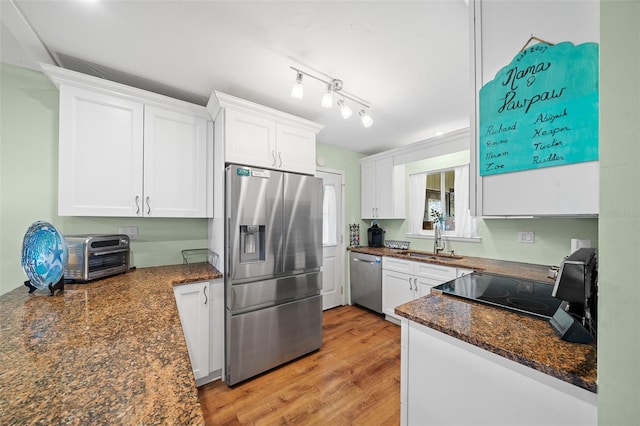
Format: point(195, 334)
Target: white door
point(333, 253)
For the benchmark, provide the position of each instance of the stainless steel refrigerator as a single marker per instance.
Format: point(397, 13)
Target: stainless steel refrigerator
point(273, 258)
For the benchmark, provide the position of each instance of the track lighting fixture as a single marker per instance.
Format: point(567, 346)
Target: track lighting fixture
point(334, 85)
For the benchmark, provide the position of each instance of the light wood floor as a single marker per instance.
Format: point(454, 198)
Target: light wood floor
point(354, 379)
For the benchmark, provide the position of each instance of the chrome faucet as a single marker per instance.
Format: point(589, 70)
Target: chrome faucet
point(438, 244)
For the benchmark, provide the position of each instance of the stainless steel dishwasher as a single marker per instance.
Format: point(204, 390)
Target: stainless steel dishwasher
point(365, 272)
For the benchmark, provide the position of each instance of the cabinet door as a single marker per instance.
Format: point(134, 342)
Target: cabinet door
point(384, 188)
point(175, 164)
point(397, 289)
point(296, 149)
point(100, 154)
point(193, 305)
point(250, 139)
point(368, 190)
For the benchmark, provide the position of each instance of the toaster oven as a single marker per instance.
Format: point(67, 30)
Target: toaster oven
point(93, 256)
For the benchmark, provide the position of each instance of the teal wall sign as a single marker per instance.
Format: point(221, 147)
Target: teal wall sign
point(541, 110)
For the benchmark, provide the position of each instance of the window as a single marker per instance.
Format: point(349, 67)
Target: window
point(443, 193)
point(329, 216)
point(440, 200)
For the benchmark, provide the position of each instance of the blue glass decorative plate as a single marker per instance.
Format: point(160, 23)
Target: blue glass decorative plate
point(44, 254)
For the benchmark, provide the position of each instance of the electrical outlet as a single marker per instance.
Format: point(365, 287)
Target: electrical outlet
point(131, 231)
point(526, 237)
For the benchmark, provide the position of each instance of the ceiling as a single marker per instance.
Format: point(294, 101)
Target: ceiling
point(409, 60)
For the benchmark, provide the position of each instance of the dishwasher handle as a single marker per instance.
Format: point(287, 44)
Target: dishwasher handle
point(355, 259)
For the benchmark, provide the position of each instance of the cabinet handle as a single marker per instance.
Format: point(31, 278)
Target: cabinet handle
point(273, 154)
point(204, 290)
point(373, 212)
point(410, 288)
point(137, 205)
point(280, 158)
point(148, 206)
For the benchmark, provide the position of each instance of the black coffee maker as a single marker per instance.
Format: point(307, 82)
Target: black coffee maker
point(375, 235)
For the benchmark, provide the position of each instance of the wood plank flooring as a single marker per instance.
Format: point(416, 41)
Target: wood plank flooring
point(354, 379)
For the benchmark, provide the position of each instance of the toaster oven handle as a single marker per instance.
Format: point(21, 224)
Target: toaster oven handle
point(102, 253)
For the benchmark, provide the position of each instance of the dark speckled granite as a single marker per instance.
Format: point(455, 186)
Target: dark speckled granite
point(107, 352)
point(480, 264)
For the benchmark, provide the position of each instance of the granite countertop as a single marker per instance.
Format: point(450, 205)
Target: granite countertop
point(503, 267)
point(107, 352)
point(520, 338)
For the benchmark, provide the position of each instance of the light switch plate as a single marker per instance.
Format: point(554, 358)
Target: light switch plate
point(131, 231)
point(526, 237)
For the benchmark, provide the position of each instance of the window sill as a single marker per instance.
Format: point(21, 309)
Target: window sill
point(447, 238)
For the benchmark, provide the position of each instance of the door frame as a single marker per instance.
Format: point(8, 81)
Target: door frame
point(341, 243)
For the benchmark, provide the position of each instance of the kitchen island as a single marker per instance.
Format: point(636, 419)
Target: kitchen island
point(107, 352)
point(467, 363)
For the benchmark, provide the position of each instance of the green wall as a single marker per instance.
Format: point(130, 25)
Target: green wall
point(499, 238)
point(347, 162)
point(28, 183)
point(619, 280)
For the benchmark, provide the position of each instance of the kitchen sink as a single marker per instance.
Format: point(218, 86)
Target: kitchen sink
point(422, 255)
point(432, 256)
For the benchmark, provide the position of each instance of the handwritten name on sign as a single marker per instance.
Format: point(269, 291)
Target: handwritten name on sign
point(541, 110)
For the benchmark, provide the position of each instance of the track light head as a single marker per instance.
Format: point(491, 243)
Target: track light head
point(327, 98)
point(297, 91)
point(367, 121)
point(344, 109)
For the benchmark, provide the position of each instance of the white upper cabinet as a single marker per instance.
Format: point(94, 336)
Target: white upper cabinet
point(296, 149)
point(175, 164)
point(382, 189)
point(130, 153)
point(100, 153)
point(255, 135)
point(497, 36)
point(249, 139)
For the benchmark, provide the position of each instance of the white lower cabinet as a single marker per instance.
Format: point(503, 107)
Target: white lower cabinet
point(445, 381)
point(200, 306)
point(404, 280)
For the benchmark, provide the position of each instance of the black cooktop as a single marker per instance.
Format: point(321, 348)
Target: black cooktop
point(524, 296)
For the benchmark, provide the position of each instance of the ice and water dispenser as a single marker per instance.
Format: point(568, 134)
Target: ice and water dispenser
point(252, 243)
